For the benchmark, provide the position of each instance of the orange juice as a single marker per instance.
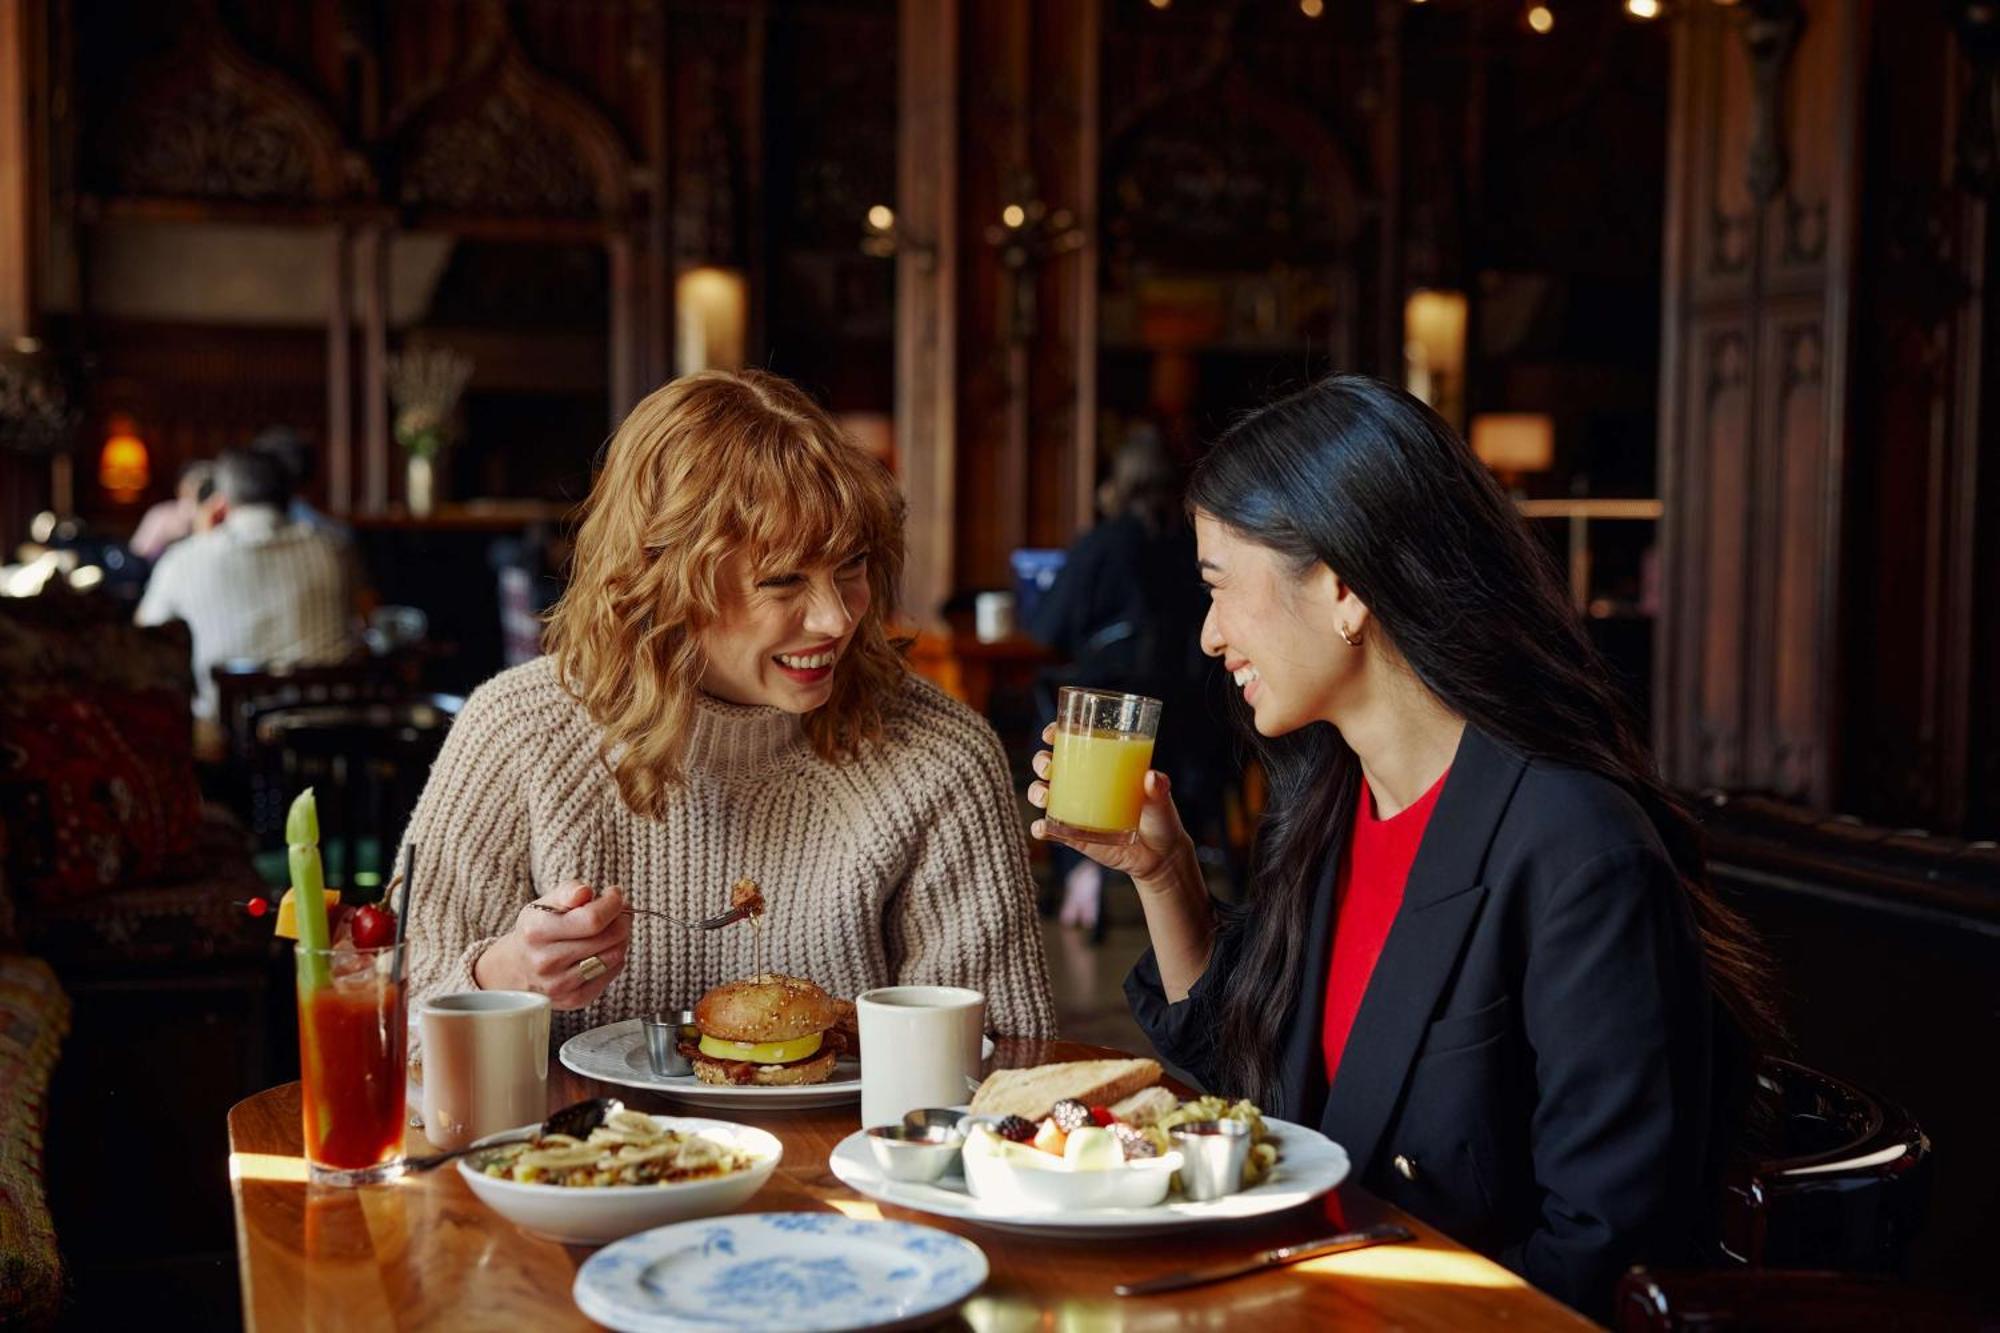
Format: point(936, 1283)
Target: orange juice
point(1097, 781)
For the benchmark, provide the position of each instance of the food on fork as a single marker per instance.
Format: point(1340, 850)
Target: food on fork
point(1033, 1093)
point(745, 893)
point(765, 1031)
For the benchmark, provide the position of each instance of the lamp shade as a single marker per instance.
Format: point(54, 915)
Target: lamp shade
point(124, 468)
point(1513, 442)
point(712, 312)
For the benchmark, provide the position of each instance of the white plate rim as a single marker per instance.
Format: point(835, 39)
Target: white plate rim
point(605, 1309)
point(1306, 1148)
point(623, 1034)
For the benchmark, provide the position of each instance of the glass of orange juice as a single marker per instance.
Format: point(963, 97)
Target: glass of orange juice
point(1097, 775)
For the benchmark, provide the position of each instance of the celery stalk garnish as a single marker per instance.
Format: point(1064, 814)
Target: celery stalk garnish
point(308, 885)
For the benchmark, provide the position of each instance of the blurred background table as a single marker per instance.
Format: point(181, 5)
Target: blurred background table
point(424, 1252)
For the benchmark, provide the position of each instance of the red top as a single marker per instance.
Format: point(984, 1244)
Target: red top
point(1373, 870)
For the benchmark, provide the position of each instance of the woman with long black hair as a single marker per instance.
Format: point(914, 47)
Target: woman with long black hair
point(1479, 949)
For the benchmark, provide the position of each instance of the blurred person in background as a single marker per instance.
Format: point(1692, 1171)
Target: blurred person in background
point(177, 518)
point(256, 586)
point(1125, 613)
point(295, 454)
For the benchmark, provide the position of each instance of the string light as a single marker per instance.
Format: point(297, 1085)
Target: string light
point(1312, 9)
point(1541, 19)
point(881, 217)
point(1161, 4)
point(1643, 9)
point(1013, 215)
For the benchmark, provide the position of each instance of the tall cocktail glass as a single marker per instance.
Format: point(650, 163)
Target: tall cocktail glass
point(353, 1039)
point(1097, 773)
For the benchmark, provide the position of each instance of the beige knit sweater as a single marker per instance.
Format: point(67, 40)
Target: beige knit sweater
point(906, 864)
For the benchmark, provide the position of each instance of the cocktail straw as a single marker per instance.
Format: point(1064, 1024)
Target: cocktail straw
point(408, 876)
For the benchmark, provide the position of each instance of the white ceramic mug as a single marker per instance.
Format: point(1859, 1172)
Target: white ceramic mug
point(486, 1063)
point(919, 1047)
point(993, 616)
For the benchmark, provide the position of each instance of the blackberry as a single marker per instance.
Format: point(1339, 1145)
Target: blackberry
point(1016, 1129)
point(1070, 1115)
point(1134, 1142)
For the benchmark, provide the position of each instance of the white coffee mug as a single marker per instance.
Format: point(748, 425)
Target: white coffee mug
point(993, 616)
point(486, 1063)
point(919, 1047)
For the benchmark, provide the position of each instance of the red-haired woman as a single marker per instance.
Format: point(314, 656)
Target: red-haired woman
point(722, 699)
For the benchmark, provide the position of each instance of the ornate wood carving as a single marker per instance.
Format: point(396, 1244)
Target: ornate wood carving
point(1752, 440)
point(1978, 152)
point(206, 121)
point(1770, 35)
point(512, 142)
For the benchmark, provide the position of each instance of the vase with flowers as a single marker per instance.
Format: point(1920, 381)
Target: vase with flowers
point(425, 383)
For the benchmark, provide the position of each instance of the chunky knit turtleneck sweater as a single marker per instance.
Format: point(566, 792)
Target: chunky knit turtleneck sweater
point(905, 864)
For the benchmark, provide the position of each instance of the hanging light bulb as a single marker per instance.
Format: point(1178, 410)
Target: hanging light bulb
point(1643, 9)
point(1312, 9)
point(1541, 20)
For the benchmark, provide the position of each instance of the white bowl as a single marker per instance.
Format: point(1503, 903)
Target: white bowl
point(595, 1214)
point(1054, 1188)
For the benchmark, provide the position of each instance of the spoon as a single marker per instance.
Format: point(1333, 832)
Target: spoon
point(575, 1120)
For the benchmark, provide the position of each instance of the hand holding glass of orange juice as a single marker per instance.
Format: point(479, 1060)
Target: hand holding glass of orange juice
point(1097, 773)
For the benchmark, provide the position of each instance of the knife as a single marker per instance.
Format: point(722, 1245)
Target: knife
point(1384, 1234)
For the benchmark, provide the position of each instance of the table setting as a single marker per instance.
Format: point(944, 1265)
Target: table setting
point(773, 1157)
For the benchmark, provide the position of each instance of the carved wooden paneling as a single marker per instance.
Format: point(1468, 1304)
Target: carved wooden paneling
point(207, 121)
point(1757, 298)
point(509, 141)
point(1920, 711)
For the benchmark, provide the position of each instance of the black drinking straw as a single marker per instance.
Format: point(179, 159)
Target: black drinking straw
point(403, 909)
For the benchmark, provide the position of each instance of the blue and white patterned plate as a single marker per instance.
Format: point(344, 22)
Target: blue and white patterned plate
point(786, 1272)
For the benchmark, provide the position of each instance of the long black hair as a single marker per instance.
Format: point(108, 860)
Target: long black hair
point(1367, 480)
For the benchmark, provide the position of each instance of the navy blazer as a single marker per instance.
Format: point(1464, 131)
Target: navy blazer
point(1533, 1067)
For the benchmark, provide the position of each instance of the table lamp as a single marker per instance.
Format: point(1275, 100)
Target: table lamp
point(1514, 444)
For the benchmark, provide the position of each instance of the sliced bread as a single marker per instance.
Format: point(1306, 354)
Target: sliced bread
point(1031, 1092)
point(1147, 1106)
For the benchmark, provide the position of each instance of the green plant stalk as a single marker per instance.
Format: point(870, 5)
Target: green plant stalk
point(308, 891)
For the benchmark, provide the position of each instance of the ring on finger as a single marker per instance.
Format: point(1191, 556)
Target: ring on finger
point(592, 968)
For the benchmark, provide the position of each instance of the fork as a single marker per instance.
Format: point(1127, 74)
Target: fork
point(716, 922)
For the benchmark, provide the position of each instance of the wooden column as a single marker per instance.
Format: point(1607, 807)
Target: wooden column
point(340, 377)
point(1762, 207)
point(17, 181)
point(926, 298)
point(371, 255)
point(1027, 360)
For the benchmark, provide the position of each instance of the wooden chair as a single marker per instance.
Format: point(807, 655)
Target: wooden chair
point(367, 762)
point(1742, 1300)
point(1839, 1180)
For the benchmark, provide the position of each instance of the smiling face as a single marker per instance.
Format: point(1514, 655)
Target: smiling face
point(1278, 631)
point(778, 640)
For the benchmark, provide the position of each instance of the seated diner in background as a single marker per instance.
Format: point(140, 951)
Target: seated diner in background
point(254, 586)
point(722, 699)
point(1479, 949)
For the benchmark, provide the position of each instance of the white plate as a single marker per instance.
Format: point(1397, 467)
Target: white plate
point(1309, 1164)
point(592, 1215)
point(787, 1272)
point(616, 1053)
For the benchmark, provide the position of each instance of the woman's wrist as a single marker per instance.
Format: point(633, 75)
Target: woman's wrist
point(1177, 876)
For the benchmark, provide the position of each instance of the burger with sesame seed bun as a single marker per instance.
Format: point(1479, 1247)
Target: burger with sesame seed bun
point(765, 1031)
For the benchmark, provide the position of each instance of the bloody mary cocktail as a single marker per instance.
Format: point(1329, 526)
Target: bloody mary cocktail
point(353, 1036)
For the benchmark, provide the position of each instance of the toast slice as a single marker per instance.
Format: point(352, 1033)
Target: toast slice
point(1030, 1093)
point(1146, 1107)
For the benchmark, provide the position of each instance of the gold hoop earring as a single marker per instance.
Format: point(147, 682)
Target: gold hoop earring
point(1347, 638)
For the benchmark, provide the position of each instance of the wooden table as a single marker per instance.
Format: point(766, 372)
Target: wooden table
point(424, 1253)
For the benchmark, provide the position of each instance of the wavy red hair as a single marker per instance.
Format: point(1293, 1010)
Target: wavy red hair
point(708, 465)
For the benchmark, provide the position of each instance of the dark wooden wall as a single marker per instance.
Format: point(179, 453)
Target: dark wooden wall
point(1830, 526)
